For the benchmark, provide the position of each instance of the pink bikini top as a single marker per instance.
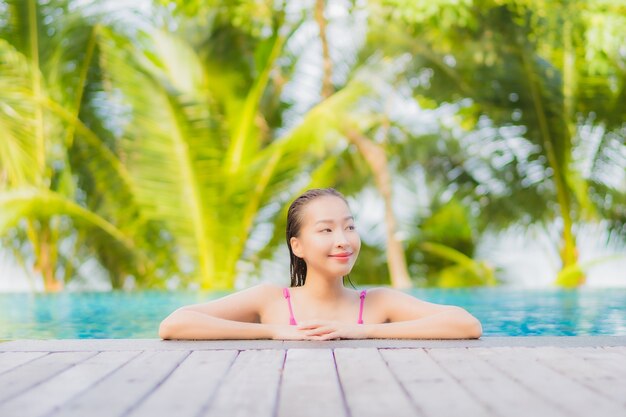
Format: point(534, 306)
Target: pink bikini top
point(292, 320)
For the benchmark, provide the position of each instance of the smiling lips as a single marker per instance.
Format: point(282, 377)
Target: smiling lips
point(342, 256)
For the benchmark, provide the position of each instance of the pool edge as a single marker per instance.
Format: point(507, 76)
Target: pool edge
point(58, 345)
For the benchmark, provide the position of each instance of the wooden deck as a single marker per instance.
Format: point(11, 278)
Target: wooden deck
point(493, 376)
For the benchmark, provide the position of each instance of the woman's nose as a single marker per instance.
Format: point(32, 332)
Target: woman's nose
point(340, 239)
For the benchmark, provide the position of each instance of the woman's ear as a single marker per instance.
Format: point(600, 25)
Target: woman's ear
point(295, 247)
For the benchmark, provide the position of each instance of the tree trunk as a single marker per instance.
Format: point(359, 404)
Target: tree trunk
point(375, 156)
point(568, 250)
point(377, 160)
point(569, 258)
point(569, 254)
point(46, 262)
point(327, 83)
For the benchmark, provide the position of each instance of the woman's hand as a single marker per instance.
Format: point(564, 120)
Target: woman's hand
point(288, 332)
point(330, 330)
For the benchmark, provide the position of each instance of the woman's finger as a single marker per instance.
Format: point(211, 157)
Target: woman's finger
point(319, 330)
point(315, 333)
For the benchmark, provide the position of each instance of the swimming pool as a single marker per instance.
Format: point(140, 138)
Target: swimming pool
point(502, 311)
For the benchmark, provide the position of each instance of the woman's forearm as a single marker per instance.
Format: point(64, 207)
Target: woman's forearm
point(454, 324)
point(189, 324)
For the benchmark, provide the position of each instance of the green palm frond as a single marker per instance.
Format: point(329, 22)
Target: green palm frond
point(245, 138)
point(171, 150)
point(30, 203)
point(189, 168)
point(480, 272)
point(177, 152)
point(18, 152)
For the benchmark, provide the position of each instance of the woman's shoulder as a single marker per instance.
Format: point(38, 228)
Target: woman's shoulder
point(372, 294)
point(377, 291)
point(385, 290)
point(387, 294)
point(268, 288)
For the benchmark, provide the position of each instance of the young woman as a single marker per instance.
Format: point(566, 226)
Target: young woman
point(323, 245)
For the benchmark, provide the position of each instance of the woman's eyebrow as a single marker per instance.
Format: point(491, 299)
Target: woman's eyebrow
point(332, 221)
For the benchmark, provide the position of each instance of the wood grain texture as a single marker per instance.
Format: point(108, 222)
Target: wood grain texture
point(53, 393)
point(250, 387)
point(433, 389)
point(139, 378)
point(496, 390)
point(121, 390)
point(10, 360)
point(310, 385)
point(369, 386)
point(33, 373)
point(546, 379)
point(190, 388)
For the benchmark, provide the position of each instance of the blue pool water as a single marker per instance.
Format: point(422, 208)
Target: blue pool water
point(502, 311)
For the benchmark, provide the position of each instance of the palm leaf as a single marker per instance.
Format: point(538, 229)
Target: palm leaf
point(478, 269)
point(31, 203)
point(18, 152)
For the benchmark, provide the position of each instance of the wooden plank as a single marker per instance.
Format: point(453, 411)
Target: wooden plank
point(545, 381)
point(250, 386)
point(616, 349)
point(54, 392)
point(310, 385)
point(558, 389)
point(29, 375)
point(609, 360)
point(190, 387)
point(496, 390)
point(10, 360)
point(605, 383)
point(369, 387)
point(432, 389)
point(119, 391)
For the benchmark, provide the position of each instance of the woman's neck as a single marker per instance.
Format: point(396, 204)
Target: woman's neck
point(323, 289)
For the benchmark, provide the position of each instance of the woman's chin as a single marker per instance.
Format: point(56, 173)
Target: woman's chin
point(344, 271)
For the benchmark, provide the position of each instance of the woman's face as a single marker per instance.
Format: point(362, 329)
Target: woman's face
point(328, 241)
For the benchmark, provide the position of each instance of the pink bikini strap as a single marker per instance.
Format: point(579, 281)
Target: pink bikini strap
point(361, 307)
point(292, 320)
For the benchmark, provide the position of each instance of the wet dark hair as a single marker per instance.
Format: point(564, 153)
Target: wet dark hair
point(297, 267)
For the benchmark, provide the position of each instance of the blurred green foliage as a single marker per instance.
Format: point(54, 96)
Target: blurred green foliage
point(165, 144)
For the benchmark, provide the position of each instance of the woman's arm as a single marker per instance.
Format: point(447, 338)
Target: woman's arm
point(453, 323)
point(235, 316)
point(185, 323)
point(411, 318)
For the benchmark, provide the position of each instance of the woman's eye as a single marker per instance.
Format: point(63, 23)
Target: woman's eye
point(351, 227)
point(326, 230)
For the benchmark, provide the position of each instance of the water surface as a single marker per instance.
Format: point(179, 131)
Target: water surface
point(502, 312)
